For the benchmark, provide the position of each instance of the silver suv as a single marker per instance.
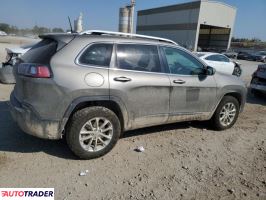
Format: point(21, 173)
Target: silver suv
point(91, 87)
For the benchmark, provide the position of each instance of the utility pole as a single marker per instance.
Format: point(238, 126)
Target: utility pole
point(133, 3)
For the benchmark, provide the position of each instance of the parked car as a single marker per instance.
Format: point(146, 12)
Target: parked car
point(260, 56)
point(221, 63)
point(244, 56)
point(258, 82)
point(6, 69)
point(230, 54)
point(12, 53)
point(2, 33)
point(93, 86)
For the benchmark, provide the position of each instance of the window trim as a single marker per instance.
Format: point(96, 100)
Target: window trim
point(91, 65)
point(184, 50)
point(115, 66)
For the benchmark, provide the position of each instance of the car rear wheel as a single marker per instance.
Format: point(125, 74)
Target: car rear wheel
point(226, 113)
point(93, 132)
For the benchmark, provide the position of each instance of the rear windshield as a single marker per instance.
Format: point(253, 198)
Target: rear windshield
point(41, 52)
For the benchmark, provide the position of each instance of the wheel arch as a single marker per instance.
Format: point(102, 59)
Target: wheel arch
point(236, 95)
point(239, 97)
point(113, 104)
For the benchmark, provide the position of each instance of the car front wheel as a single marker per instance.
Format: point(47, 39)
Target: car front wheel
point(93, 132)
point(226, 113)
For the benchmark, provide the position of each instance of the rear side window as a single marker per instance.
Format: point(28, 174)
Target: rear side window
point(97, 54)
point(41, 52)
point(138, 57)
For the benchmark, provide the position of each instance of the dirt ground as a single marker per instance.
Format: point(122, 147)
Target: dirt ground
point(180, 161)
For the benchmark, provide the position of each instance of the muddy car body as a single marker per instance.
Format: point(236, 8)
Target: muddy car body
point(91, 87)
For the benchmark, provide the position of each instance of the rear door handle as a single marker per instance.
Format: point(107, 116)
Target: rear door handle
point(179, 81)
point(122, 79)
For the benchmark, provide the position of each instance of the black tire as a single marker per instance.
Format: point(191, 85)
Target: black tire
point(77, 122)
point(217, 125)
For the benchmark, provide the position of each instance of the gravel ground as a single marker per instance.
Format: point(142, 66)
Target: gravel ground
point(180, 161)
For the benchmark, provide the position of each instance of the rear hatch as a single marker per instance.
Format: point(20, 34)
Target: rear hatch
point(33, 72)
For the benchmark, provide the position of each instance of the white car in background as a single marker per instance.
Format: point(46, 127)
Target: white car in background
point(13, 53)
point(221, 63)
point(6, 68)
point(2, 33)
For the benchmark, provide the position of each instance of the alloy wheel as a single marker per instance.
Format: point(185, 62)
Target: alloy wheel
point(96, 134)
point(227, 114)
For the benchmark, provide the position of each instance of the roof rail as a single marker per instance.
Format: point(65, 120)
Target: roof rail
point(100, 32)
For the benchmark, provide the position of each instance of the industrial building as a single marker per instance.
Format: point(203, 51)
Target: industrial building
point(204, 24)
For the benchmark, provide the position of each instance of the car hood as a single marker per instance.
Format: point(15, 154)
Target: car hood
point(17, 50)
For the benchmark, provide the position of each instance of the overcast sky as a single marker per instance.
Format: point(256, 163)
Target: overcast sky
point(103, 14)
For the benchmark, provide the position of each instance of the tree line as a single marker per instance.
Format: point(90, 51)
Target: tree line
point(255, 40)
point(36, 30)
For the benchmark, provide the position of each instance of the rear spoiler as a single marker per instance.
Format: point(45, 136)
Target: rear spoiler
point(61, 38)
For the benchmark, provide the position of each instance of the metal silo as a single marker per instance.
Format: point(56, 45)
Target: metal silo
point(125, 19)
point(78, 23)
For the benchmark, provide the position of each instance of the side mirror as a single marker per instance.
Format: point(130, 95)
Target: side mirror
point(210, 70)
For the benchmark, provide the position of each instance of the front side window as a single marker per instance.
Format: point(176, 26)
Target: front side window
point(138, 57)
point(218, 58)
point(213, 58)
point(97, 54)
point(224, 58)
point(181, 62)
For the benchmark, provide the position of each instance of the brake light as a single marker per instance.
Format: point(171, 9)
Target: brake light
point(39, 72)
point(34, 70)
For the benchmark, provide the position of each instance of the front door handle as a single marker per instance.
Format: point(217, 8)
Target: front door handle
point(179, 81)
point(122, 79)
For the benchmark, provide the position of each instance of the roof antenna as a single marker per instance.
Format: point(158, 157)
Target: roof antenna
point(70, 24)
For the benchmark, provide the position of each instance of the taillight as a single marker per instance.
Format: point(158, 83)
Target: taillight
point(34, 70)
point(39, 72)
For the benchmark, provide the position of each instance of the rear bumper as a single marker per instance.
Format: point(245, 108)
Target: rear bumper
point(31, 123)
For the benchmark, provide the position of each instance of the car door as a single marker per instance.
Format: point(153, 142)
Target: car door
point(193, 92)
point(220, 63)
point(214, 61)
point(138, 82)
point(226, 65)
